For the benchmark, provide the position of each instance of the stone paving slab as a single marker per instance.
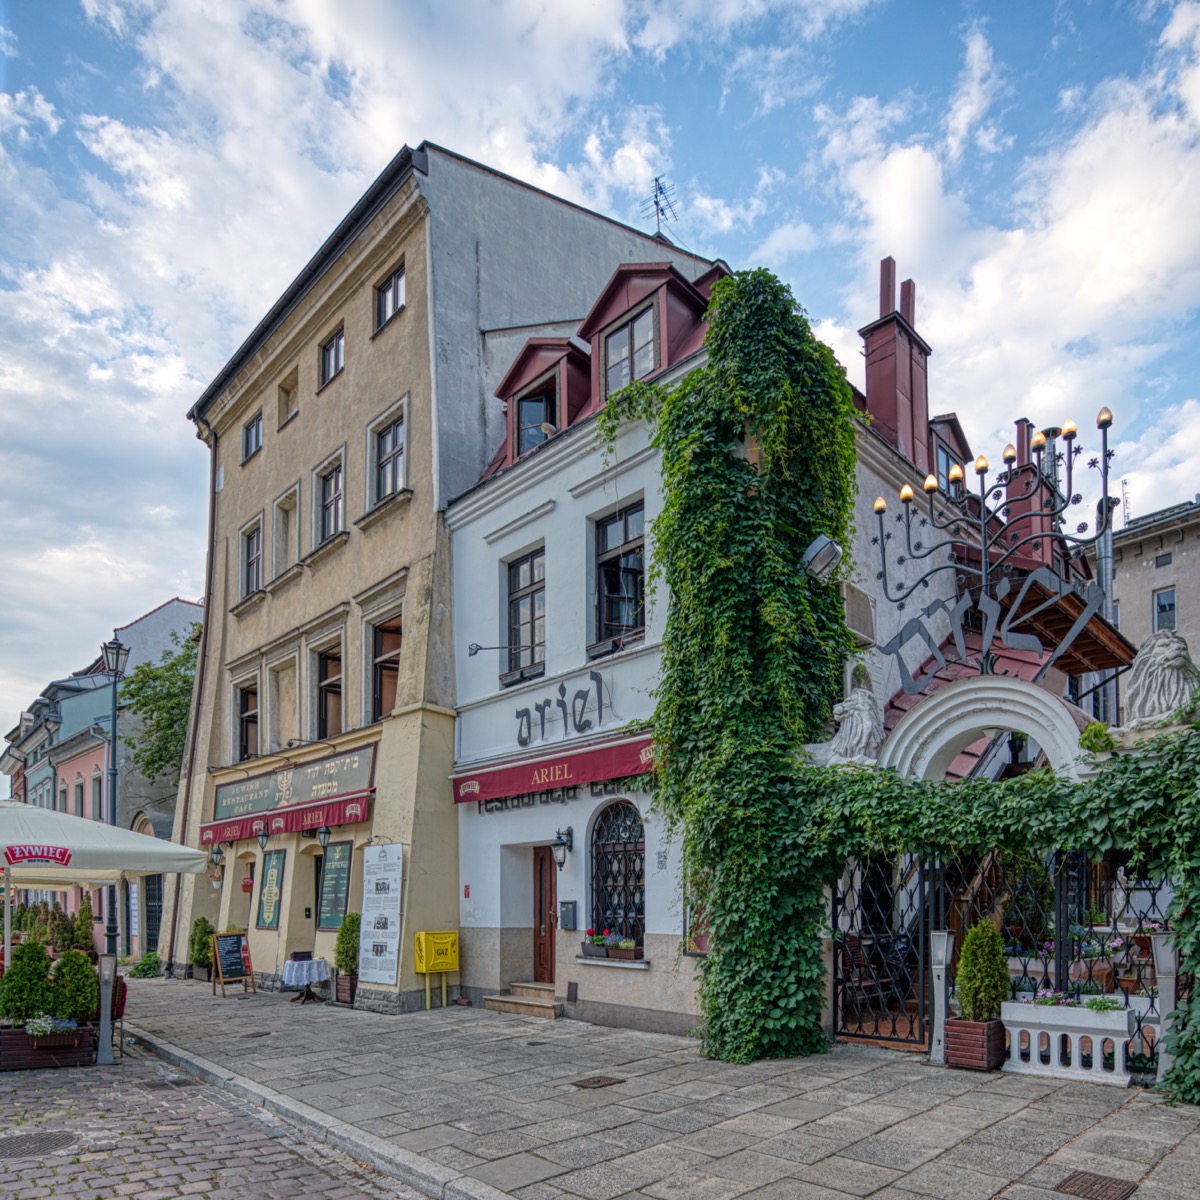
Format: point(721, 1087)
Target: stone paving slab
point(465, 1104)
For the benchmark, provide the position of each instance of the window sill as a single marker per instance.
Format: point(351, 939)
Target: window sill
point(288, 419)
point(327, 547)
point(331, 380)
point(395, 501)
point(621, 964)
point(389, 322)
point(285, 577)
point(248, 603)
point(253, 453)
point(613, 645)
point(536, 671)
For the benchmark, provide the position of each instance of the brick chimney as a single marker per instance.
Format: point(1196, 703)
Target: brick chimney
point(897, 358)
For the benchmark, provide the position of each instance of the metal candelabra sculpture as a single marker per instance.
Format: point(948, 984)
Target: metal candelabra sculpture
point(1028, 512)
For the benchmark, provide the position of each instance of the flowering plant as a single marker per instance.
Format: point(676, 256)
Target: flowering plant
point(247, 881)
point(1050, 998)
point(44, 1025)
point(597, 938)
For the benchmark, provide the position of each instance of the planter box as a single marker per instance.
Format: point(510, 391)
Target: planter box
point(590, 951)
point(1065, 1029)
point(347, 986)
point(975, 1045)
point(19, 1051)
point(628, 955)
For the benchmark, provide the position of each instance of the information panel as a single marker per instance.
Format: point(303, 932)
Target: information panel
point(335, 885)
point(270, 892)
point(379, 941)
point(322, 780)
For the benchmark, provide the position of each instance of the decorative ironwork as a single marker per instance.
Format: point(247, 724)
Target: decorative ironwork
point(619, 872)
point(1033, 512)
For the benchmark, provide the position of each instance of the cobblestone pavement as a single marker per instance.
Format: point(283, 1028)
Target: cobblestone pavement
point(143, 1131)
point(461, 1102)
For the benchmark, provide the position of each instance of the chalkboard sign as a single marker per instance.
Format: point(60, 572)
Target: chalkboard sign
point(335, 885)
point(231, 960)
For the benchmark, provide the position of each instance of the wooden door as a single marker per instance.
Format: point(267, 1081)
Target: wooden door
point(545, 895)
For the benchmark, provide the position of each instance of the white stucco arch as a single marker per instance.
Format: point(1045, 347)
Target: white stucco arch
point(930, 735)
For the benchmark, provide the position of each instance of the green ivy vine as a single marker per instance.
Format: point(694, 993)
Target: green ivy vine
point(757, 450)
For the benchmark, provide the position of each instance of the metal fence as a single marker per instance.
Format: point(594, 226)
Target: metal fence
point(1070, 924)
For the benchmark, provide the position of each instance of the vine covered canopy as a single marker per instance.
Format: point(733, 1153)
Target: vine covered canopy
point(757, 450)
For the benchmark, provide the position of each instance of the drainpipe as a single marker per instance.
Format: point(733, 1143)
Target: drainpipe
point(200, 671)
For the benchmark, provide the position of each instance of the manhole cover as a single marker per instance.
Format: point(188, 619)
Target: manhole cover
point(258, 1033)
point(34, 1145)
point(1096, 1187)
point(598, 1081)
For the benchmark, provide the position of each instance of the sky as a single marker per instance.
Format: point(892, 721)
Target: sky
point(168, 166)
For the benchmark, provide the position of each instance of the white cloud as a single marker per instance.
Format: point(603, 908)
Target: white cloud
point(978, 85)
point(8, 43)
point(25, 109)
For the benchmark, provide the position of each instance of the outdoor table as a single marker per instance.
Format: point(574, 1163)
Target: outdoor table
point(303, 975)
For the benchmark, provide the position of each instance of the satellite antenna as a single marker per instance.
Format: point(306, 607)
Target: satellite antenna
point(661, 202)
point(1125, 513)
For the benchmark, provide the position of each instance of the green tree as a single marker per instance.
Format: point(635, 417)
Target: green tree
point(76, 988)
point(83, 923)
point(161, 695)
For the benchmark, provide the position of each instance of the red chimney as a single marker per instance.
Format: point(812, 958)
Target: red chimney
point(897, 357)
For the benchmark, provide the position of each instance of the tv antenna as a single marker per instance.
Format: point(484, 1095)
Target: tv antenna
point(661, 202)
point(1125, 514)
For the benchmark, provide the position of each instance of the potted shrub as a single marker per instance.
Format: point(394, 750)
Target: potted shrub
point(975, 1040)
point(45, 1009)
point(345, 957)
point(76, 987)
point(200, 945)
point(593, 944)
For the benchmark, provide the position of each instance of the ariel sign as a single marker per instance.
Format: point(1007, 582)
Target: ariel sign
point(60, 856)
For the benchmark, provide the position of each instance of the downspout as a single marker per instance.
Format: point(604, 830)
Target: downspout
point(200, 670)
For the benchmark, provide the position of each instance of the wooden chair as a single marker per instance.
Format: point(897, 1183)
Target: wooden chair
point(860, 981)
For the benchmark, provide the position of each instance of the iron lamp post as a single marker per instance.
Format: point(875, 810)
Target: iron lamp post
point(116, 657)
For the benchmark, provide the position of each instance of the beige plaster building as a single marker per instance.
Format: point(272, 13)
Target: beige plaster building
point(1156, 573)
point(323, 720)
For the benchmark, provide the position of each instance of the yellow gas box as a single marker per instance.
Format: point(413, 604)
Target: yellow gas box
point(436, 953)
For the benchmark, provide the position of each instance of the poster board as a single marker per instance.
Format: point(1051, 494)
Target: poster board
point(379, 938)
point(335, 885)
point(270, 889)
point(231, 961)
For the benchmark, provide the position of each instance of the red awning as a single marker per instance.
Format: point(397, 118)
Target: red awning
point(588, 765)
point(343, 810)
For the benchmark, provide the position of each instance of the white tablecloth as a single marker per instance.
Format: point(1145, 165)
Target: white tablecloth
point(298, 974)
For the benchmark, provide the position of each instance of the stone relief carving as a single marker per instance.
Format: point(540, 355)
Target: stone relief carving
point(859, 736)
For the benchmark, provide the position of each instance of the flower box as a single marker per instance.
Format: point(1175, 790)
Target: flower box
point(975, 1045)
point(1064, 1029)
point(21, 1051)
point(629, 955)
point(590, 951)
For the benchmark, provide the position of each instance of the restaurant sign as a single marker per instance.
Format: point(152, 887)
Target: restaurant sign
point(613, 761)
point(346, 774)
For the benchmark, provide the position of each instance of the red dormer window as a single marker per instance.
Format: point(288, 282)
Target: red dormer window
point(630, 352)
point(535, 417)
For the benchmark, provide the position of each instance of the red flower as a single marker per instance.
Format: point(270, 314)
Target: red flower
point(591, 933)
point(606, 933)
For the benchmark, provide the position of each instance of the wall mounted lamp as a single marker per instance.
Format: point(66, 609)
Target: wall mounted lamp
point(263, 838)
point(217, 855)
point(323, 836)
point(564, 839)
point(821, 558)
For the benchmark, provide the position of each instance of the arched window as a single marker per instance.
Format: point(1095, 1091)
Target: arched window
point(619, 872)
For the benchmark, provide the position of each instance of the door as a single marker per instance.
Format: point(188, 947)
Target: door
point(545, 895)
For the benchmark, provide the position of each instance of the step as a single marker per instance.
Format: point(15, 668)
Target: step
point(539, 991)
point(523, 1006)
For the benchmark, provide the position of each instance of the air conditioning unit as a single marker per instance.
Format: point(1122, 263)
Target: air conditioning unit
point(860, 613)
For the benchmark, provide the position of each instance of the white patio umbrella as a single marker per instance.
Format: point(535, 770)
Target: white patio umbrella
point(41, 848)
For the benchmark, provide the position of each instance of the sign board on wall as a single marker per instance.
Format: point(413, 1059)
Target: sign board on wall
point(335, 885)
point(342, 775)
point(133, 908)
point(379, 939)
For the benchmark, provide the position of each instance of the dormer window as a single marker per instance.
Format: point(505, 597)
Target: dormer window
point(535, 418)
point(629, 352)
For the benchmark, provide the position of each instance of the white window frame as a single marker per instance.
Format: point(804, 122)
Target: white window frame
point(387, 418)
point(1174, 609)
point(252, 436)
point(251, 527)
point(396, 287)
point(334, 639)
point(332, 353)
point(320, 472)
point(237, 687)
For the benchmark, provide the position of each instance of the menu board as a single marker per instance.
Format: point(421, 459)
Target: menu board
point(231, 961)
point(322, 780)
point(335, 885)
point(270, 891)
point(379, 939)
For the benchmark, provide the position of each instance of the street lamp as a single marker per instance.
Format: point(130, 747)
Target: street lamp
point(116, 656)
point(323, 835)
point(564, 839)
point(263, 838)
